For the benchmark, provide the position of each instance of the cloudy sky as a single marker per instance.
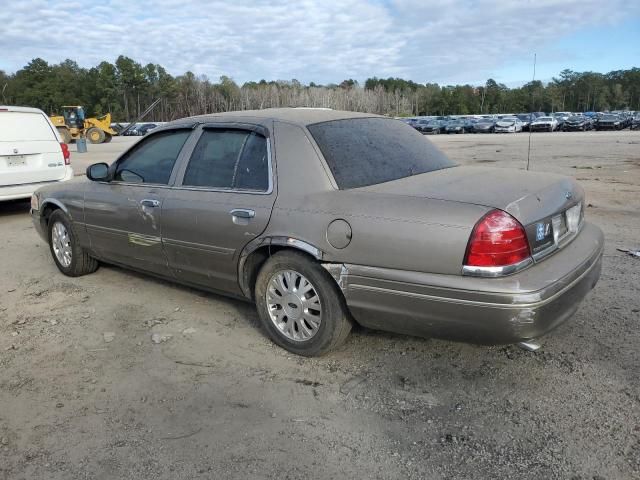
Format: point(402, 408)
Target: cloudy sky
point(444, 41)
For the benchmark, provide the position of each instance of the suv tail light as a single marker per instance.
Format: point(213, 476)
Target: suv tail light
point(65, 153)
point(497, 240)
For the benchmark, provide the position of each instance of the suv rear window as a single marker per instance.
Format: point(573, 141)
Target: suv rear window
point(25, 127)
point(367, 151)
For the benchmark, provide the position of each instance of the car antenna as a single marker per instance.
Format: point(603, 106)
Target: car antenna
point(531, 113)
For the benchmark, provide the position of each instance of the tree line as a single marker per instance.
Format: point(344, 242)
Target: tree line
point(125, 88)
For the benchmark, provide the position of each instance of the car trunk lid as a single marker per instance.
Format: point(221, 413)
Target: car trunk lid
point(535, 199)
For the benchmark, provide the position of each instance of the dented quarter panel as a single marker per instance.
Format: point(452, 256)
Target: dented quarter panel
point(481, 310)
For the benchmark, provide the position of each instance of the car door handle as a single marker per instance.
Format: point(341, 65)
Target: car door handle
point(150, 203)
point(242, 213)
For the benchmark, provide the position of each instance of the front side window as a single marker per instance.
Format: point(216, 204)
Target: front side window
point(152, 160)
point(367, 151)
point(229, 159)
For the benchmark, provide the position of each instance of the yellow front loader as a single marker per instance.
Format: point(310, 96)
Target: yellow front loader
point(72, 125)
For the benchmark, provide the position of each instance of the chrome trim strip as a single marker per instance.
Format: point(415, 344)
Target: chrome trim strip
point(496, 271)
point(198, 246)
point(517, 302)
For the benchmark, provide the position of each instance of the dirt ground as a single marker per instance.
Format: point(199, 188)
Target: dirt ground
point(86, 394)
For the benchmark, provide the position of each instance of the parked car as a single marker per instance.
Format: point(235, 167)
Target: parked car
point(627, 119)
point(132, 132)
point(635, 123)
point(146, 128)
point(31, 152)
point(420, 124)
point(432, 126)
point(485, 125)
point(459, 126)
point(526, 119)
point(508, 125)
point(549, 124)
point(323, 218)
point(577, 123)
point(409, 121)
point(609, 122)
point(561, 117)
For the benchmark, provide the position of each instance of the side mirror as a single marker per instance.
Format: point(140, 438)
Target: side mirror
point(98, 172)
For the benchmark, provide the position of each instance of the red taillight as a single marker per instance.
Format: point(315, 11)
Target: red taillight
point(497, 240)
point(65, 153)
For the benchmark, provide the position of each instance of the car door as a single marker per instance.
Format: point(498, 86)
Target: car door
point(123, 215)
point(222, 200)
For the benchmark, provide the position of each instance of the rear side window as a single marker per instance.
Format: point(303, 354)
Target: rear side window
point(229, 159)
point(367, 151)
point(152, 160)
point(25, 127)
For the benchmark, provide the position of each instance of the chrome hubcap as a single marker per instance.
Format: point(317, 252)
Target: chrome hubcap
point(294, 305)
point(61, 244)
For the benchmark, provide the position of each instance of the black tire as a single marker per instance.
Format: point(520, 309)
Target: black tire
point(107, 137)
point(335, 323)
point(95, 135)
point(65, 135)
point(81, 262)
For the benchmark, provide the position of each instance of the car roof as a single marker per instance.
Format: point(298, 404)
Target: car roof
point(298, 116)
point(21, 109)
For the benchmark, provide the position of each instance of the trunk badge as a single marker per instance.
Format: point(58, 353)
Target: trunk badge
point(15, 150)
point(568, 195)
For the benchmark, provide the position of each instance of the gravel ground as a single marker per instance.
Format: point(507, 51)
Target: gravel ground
point(87, 394)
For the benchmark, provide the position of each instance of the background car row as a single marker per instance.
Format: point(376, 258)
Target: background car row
point(535, 122)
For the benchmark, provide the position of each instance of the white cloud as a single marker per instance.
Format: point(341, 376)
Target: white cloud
point(323, 41)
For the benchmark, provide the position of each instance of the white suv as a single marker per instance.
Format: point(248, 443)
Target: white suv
point(32, 153)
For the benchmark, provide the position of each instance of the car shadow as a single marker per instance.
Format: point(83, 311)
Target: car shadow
point(14, 207)
point(244, 307)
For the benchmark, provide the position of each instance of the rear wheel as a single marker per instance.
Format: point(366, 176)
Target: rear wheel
point(300, 305)
point(95, 135)
point(65, 135)
point(70, 258)
point(107, 137)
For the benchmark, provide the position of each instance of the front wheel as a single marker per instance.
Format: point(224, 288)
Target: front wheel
point(95, 135)
point(70, 258)
point(300, 305)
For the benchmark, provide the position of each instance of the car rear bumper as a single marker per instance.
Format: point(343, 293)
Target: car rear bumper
point(25, 190)
point(504, 310)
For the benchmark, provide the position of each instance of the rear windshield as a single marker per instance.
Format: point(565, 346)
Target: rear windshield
point(24, 127)
point(367, 151)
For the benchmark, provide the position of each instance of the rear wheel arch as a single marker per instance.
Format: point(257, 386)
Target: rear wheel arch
point(256, 253)
point(333, 319)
